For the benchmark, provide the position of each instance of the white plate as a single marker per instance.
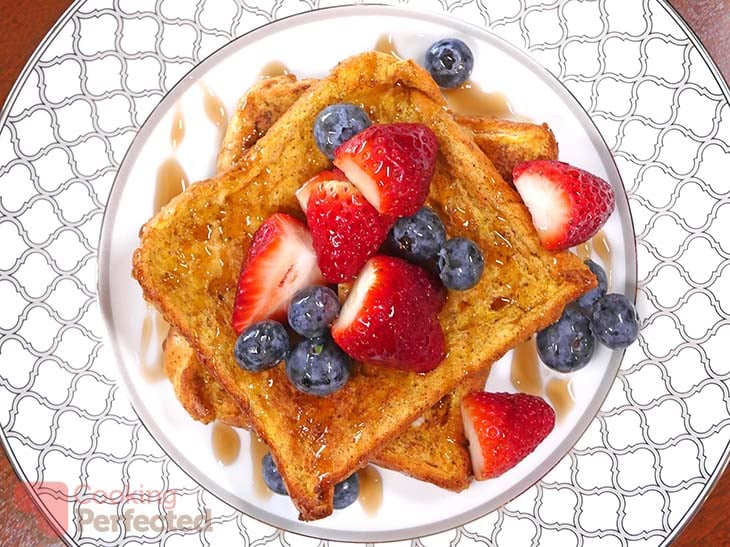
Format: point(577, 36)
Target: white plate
point(644, 464)
point(304, 44)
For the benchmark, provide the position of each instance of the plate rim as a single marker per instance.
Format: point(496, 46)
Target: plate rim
point(311, 529)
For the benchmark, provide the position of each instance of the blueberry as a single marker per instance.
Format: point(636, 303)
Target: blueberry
point(337, 124)
point(588, 299)
point(261, 346)
point(460, 264)
point(318, 366)
point(272, 477)
point(614, 321)
point(346, 492)
point(567, 346)
point(418, 238)
point(450, 62)
point(312, 311)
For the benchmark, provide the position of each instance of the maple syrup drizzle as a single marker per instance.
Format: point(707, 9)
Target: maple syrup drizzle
point(226, 444)
point(214, 108)
point(558, 391)
point(371, 490)
point(171, 181)
point(258, 451)
point(153, 328)
point(603, 249)
point(274, 69)
point(584, 250)
point(385, 45)
point(471, 100)
point(177, 131)
point(525, 373)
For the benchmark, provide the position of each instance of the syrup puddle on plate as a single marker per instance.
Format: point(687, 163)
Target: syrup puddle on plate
point(215, 110)
point(525, 372)
point(171, 177)
point(274, 69)
point(154, 328)
point(558, 392)
point(466, 100)
point(599, 245)
point(258, 451)
point(471, 100)
point(371, 490)
point(171, 181)
point(226, 444)
point(385, 45)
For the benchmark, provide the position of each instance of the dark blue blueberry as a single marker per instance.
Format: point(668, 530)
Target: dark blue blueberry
point(460, 264)
point(614, 321)
point(272, 477)
point(318, 366)
point(418, 238)
point(261, 346)
point(567, 346)
point(450, 62)
point(346, 492)
point(588, 299)
point(337, 124)
point(312, 311)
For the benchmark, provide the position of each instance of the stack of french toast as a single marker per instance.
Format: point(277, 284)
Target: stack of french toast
point(191, 253)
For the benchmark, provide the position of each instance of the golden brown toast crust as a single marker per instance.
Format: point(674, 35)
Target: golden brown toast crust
point(506, 143)
point(432, 449)
point(192, 250)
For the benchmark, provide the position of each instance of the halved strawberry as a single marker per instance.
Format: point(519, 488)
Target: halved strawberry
point(392, 165)
point(502, 429)
point(390, 317)
point(280, 261)
point(305, 190)
point(346, 229)
point(568, 205)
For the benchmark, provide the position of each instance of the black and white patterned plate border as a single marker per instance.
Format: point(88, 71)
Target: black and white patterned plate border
point(662, 437)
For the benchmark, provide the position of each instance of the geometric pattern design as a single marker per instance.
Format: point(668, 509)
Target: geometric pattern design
point(661, 437)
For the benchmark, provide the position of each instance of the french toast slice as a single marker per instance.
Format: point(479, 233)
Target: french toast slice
point(507, 143)
point(191, 252)
point(434, 451)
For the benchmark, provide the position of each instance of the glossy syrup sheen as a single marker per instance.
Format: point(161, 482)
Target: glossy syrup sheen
point(258, 451)
point(525, 373)
point(371, 490)
point(558, 393)
point(154, 330)
point(226, 444)
point(274, 69)
point(468, 99)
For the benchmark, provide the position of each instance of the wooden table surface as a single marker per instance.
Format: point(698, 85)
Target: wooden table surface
point(25, 22)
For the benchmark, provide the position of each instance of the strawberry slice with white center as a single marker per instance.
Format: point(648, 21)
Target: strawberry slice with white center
point(392, 165)
point(305, 190)
point(280, 261)
point(390, 317)
point(346, 229)
point(568, 205)
point(502, 429)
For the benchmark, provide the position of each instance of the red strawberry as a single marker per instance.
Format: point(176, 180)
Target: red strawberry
point(280, 261)
point(305, 190)
point(346, 229)
point(502, 429)
point(568, 205)
point(390, 319)
point(392, 165)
